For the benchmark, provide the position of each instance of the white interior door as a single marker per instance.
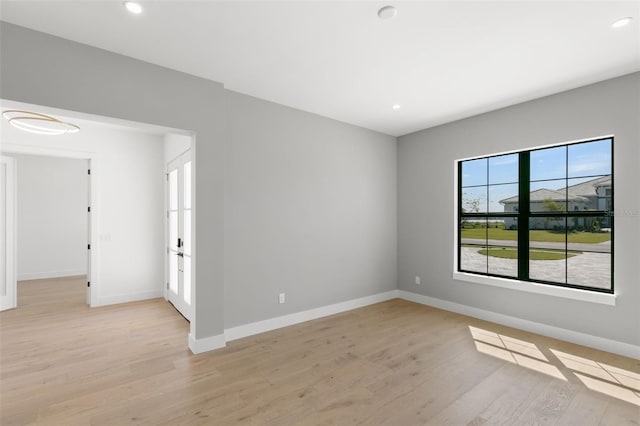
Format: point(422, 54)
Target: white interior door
point(8, 299)
point(179, 234)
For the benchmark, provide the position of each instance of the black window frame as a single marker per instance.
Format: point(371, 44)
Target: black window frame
point(523, 214)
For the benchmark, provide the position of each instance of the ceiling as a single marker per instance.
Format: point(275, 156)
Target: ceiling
point(440, 61)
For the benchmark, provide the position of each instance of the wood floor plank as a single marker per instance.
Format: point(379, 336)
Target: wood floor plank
point(395, 363)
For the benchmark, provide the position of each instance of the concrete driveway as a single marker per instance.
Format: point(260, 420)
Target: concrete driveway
point(588, 269)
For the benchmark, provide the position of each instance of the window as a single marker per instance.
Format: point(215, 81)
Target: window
point(541, 215)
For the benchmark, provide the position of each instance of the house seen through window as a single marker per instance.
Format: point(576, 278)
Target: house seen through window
point(541, 215)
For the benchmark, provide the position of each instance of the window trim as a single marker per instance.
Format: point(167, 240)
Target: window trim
point(576, 292)
point(538, 288)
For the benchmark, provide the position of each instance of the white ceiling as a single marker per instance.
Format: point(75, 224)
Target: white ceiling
point(441, 61)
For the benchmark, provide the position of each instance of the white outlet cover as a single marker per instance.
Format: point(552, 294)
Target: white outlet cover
point(418, 280)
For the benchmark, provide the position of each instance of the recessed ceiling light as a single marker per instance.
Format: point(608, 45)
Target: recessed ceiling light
point(396, 106)
point(622, 22)
point(387, 12)
point(133, 7)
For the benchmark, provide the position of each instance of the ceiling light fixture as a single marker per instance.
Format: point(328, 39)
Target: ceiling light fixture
point(387, 12)
point(396, 106)
point(622, 22)
point(133, 7)
point(40, 124)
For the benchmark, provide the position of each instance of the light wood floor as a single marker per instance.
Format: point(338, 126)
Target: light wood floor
point(394, 363)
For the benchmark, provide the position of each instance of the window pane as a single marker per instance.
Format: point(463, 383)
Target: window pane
point(591, 233)
point(547, 249)
point(173, 190)
point(549, 163)
point(590, 158)
point(474, 172)
point(503, 198)
point(473, 231)
point(187, 185)
point(548, 196)
point(187, 279)
point(474, 200)
point(173, 272)
point(590, 193)
point(187, 232)
point(503, 169)
point(471, 260)
point(590, 242)
point(173, 230)
point(473, 236)
point(590, 270)
point(502, 250)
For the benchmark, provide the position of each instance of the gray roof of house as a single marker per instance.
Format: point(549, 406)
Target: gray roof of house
point(577, 192)
point(588, 188)
point(545, 194)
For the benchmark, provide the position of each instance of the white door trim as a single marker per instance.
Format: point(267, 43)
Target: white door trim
point(9, 300)
point(94, 228)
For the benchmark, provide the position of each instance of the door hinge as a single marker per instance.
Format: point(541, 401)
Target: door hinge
point(167, 286)
point(88, 246)
point(89, 209)
point(88, 283)
point(88, 171)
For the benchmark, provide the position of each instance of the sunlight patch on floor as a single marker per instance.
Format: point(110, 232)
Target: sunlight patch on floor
point(613, 381)
point(515, 351)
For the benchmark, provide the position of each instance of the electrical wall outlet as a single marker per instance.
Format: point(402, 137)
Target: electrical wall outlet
point(281, 298)
point(418, 280)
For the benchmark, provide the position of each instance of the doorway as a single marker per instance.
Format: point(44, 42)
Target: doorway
point(52, 238)
point(128, 254)
point(179, 241)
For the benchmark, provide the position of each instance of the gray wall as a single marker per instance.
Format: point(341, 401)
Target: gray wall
point(310, 211)
point(426, 191)
point(50, 71)
point(310, 203)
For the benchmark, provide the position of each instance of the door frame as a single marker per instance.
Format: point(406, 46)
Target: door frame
point(92, 200)
point(10, 228)
point(191, 307)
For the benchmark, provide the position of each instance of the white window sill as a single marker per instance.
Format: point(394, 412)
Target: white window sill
point(568, 293)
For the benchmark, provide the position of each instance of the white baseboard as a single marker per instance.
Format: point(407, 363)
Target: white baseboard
point(311, 314)
point(50, 274)
point(125, 298)
point(198, 346)
point(614, 346)
point(206, 344)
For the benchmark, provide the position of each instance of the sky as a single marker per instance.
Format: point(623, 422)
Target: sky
point(550, 167)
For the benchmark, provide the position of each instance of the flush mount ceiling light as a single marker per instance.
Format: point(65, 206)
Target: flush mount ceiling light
point(133, 7)
point(387, 12)
point(622, 22)
point(40, 124)
point(396, 106)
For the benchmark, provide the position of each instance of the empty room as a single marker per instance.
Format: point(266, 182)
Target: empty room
point(314, 213)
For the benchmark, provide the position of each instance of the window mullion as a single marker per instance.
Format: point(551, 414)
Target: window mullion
point(523, 216)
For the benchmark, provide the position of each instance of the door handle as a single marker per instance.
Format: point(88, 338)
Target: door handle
point(180, 254)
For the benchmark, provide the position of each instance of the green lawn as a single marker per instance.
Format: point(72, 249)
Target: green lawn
point(511, 253)
point(538, 235)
